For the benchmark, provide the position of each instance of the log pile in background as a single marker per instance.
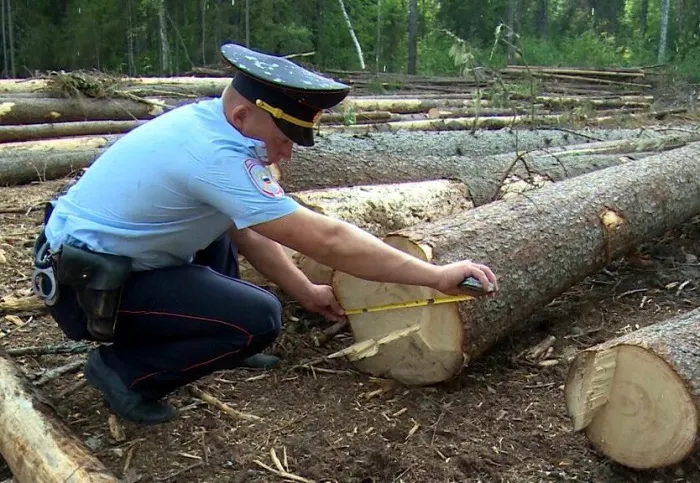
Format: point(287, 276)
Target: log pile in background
point(81, 104)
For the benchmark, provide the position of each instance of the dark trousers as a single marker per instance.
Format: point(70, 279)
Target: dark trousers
point(176, 325)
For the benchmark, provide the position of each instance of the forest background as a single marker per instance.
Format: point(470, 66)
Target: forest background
point(171, 37)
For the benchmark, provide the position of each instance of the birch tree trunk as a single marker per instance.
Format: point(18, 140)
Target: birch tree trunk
point(10, 22)
point(4, 38)
point(352, 34)
point(412, 36)
point(663, 37)
point(164, 47)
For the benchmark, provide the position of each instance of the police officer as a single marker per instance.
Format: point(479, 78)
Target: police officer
point(141, 252)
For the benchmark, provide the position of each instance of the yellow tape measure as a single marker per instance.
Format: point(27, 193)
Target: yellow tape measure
point(405, 305)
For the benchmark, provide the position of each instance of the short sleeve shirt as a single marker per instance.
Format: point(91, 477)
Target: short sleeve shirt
point(169, 188)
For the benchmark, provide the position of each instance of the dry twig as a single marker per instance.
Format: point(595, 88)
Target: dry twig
point(222, 406)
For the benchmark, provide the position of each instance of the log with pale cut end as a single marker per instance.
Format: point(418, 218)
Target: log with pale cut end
point(36, 445)
point(378, 209)
point(637, 397)
point(539, 245)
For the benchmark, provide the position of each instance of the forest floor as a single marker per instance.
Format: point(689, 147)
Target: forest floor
point(501, 420)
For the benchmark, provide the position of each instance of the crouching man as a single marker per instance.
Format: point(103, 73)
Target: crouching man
point(141, 252)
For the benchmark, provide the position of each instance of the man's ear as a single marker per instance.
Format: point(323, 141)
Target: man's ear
point(239, 115)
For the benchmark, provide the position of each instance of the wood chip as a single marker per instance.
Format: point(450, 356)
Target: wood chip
point(413, 430)
point(15, 320)
point(116, 429)
point(399, 413)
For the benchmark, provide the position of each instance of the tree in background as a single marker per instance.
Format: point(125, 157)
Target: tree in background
point(162, 37)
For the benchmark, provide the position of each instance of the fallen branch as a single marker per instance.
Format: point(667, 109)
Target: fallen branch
point(204, 396)
point(77, 348)
point(57, 372)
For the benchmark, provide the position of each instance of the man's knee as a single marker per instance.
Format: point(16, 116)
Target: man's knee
point(267, 311)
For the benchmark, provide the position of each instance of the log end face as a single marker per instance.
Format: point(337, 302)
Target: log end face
point(648, 419)
point(409, 359)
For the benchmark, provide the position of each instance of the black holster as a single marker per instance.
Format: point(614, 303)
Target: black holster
point(97, 279)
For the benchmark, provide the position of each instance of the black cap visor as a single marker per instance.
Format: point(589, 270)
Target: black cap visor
point(303, 136)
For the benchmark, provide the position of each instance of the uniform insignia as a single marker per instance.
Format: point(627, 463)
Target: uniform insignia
point(263, 179)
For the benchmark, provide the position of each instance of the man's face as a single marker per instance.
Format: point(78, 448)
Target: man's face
point(258, 124)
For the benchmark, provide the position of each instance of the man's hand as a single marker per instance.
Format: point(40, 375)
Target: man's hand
point(321, 299)
point(452, 275)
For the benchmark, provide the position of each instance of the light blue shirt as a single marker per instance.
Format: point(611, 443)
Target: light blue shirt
point(168, 189)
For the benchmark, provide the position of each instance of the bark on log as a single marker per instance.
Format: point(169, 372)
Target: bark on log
point(48, 159)
point(381, 209)
point(193, 86)
point(482, 174)
point(36, 111)
point(337, 160)
point(444, 113)
point(37, 446)
point(637, 397)
point(33, 132)
point(339, 117)
point(451, 124)
point(573, 101)
point(406, 105)
point(539, 245)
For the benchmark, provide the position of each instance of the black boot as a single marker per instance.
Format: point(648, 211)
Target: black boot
point(126, 403)
point(260, 361)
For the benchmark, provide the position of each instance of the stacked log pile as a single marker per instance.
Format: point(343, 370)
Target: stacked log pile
point(542, 219)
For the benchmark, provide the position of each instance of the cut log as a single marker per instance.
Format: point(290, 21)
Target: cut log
point(444, 113)
point(32, 132)
point(450, 124)
point(539, 245)
point(48, 159)
point(571, 101)
point(380, 209)
point(340, 160)
point(629, 73)
point(339, 117)
point(36, 445)
point(406, 105)
point(316, 169)
point(36, 111)
point(193, 86)
point(637, 397)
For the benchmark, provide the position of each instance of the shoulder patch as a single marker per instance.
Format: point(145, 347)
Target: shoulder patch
point(262, 179)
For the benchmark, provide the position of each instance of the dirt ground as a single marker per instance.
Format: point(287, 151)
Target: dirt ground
point(502, 420)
